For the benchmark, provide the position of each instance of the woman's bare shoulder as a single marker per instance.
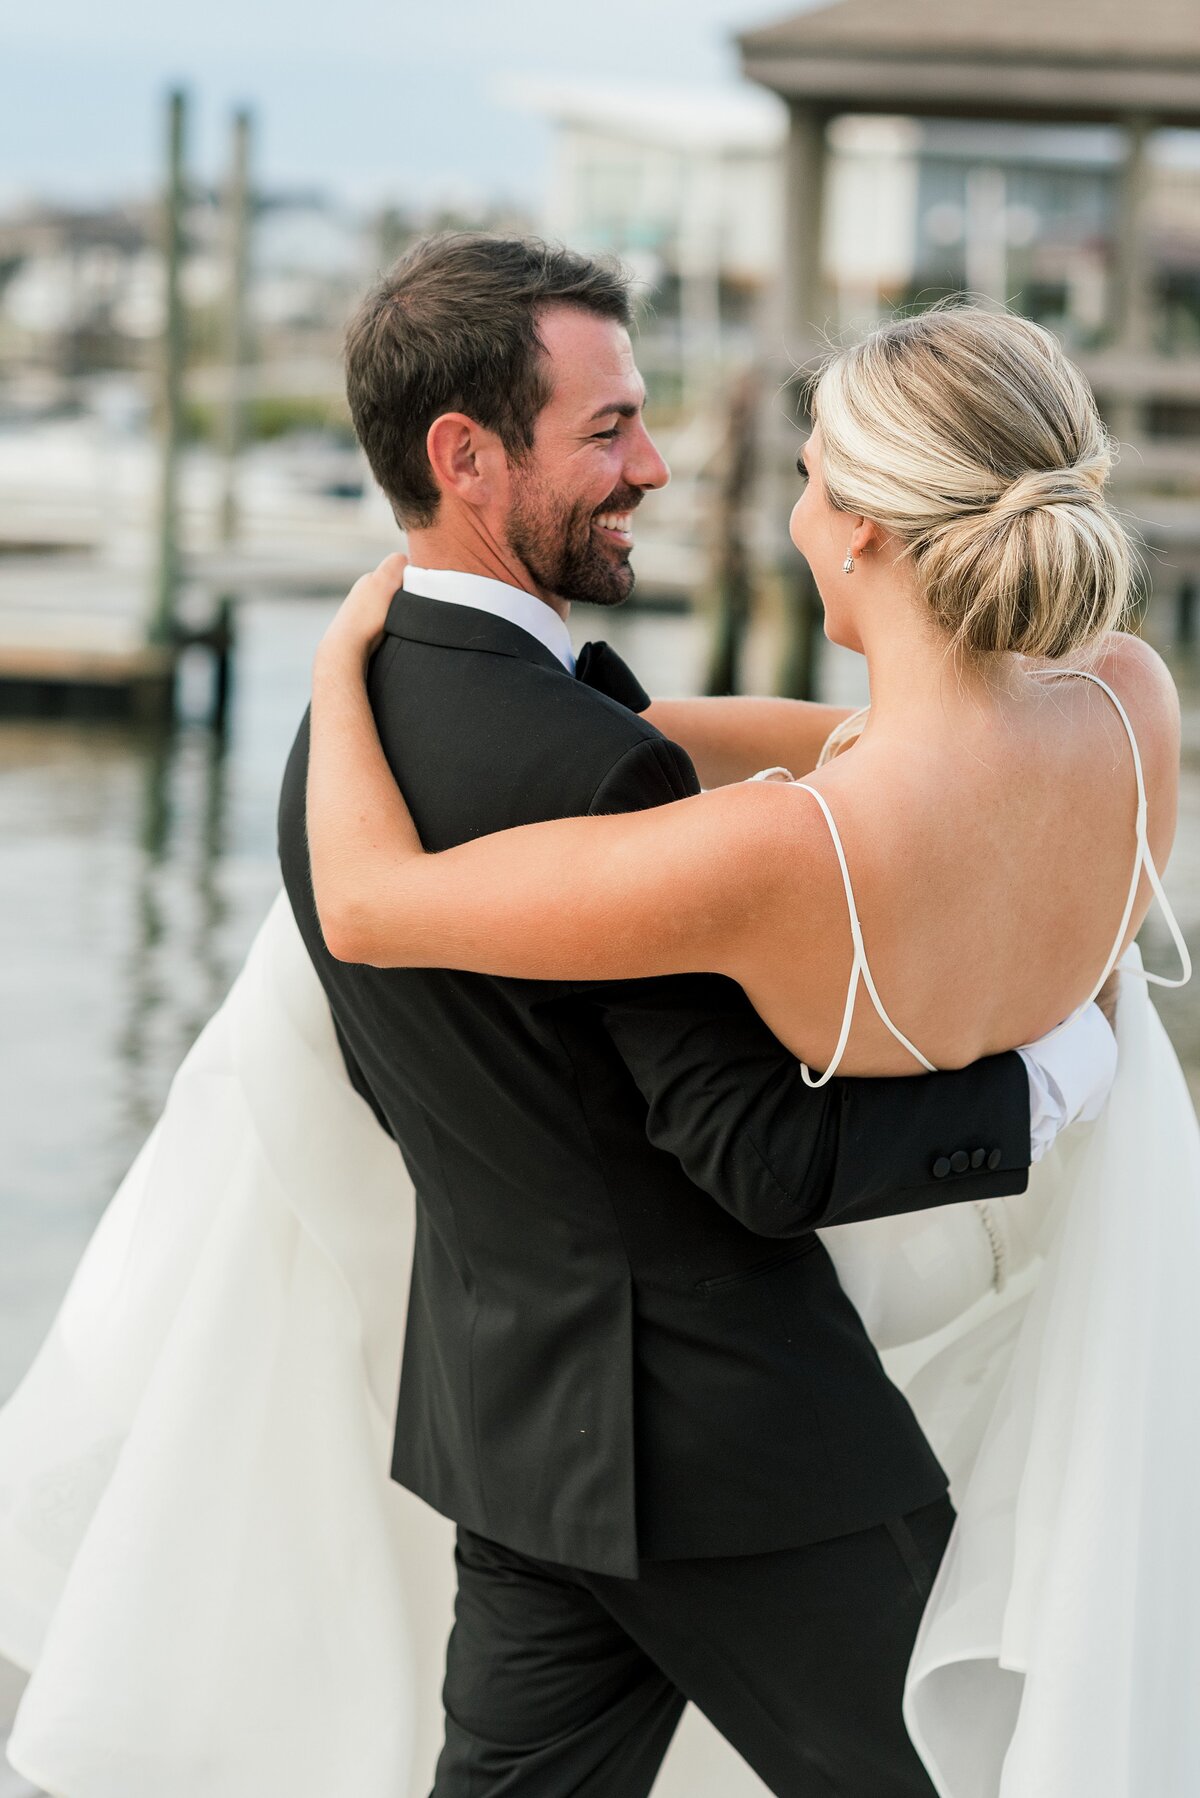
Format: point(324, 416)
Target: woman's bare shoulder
point(775, 865)
point(776, 825)
point(1144, 684)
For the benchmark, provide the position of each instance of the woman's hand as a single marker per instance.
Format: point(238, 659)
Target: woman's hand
point(360, 833)
point(357, 627)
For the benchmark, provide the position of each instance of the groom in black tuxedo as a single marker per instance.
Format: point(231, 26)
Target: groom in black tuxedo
point(631, 1377)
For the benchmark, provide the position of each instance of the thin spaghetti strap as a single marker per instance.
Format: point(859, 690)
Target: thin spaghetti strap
point(1172, 923)
point(1143, 858)
point(860, 969)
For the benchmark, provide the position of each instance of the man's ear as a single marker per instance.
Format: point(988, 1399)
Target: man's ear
point(465, 458)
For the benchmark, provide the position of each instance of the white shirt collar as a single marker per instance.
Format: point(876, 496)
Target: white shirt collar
point(525, 610)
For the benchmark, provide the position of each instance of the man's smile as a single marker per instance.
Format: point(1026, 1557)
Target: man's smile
point(616, 526)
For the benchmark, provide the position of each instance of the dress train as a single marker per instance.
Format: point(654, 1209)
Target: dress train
point(218, 1590)
point(1059, 1653)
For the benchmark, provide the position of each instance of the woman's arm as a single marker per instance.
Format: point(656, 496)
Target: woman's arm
point(676, 889)
point(730, 739)
point(684, 887)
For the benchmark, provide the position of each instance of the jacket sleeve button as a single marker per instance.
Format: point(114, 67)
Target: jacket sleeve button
point(960, 1161)
point(941, 1167)
point(994, 1159)
point(978, 1158)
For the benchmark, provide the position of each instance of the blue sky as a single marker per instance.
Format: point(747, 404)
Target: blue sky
point(365, 98)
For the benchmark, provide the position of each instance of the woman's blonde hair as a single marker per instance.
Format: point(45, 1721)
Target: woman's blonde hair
point(972, 440)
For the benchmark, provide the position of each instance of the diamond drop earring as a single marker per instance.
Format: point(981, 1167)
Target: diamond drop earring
point(848, 564)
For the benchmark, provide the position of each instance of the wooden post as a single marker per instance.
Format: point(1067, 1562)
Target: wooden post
point(237, 357)
point(1133, 283)
point(170, 419)
point(1133, 277)
point(700, 284)
point(804, 208)
point(223, 637)
point(804, 321)
point(731, 558)
point(238, 208)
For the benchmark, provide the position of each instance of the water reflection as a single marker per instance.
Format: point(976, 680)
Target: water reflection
point(172, 972)
point(138, 864)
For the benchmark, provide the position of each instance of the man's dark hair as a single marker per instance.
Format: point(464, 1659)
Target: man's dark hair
point(452, 327)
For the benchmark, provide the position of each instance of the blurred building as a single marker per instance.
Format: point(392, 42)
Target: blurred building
point(77, 287)
point(83, 290)
point(82, 300)
point(1057, 174)
point(1058, 142)
point(683, 185)
point(920, 208)
point(688, 188)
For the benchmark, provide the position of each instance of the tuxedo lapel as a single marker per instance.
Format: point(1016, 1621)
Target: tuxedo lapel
point(447, 626)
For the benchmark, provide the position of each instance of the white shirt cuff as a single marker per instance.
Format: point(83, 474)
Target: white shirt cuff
point(1071, 1071)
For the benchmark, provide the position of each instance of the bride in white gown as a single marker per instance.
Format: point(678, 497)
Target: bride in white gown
point(220, 1593)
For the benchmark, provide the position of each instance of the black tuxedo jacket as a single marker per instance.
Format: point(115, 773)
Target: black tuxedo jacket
point(623, 1336)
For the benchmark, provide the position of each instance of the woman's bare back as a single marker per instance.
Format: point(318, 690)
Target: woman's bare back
point(990, 882)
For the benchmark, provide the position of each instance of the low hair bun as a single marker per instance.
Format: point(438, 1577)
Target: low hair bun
point(968, 436)
point(1079, 485)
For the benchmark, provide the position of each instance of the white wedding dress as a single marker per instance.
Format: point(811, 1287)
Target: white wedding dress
point(220, 1593)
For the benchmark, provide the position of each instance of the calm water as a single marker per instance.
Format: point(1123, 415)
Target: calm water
point(137, 869)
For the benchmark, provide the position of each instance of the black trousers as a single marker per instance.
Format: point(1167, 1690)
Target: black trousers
point(561, 1683)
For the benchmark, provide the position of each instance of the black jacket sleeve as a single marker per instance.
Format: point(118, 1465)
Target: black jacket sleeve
point(728, 1101)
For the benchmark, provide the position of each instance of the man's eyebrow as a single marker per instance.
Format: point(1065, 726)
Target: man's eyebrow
point(621, 409)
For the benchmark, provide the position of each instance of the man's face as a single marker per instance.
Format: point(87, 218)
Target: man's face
point(570, 517)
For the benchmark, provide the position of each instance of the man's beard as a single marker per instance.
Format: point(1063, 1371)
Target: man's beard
point(558, 545)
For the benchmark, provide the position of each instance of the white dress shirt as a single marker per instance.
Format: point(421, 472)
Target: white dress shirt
point(525, 610)
point(1070, 1071)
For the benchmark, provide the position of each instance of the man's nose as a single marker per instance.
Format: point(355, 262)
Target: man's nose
point(644, 467)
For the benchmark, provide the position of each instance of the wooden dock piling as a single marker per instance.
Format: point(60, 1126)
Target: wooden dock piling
point(163, 621)
point(237, 343)
point(77, 637)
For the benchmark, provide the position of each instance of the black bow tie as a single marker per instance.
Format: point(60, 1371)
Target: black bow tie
point(601, 667)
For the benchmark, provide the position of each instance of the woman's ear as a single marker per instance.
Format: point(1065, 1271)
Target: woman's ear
point(865, 537)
